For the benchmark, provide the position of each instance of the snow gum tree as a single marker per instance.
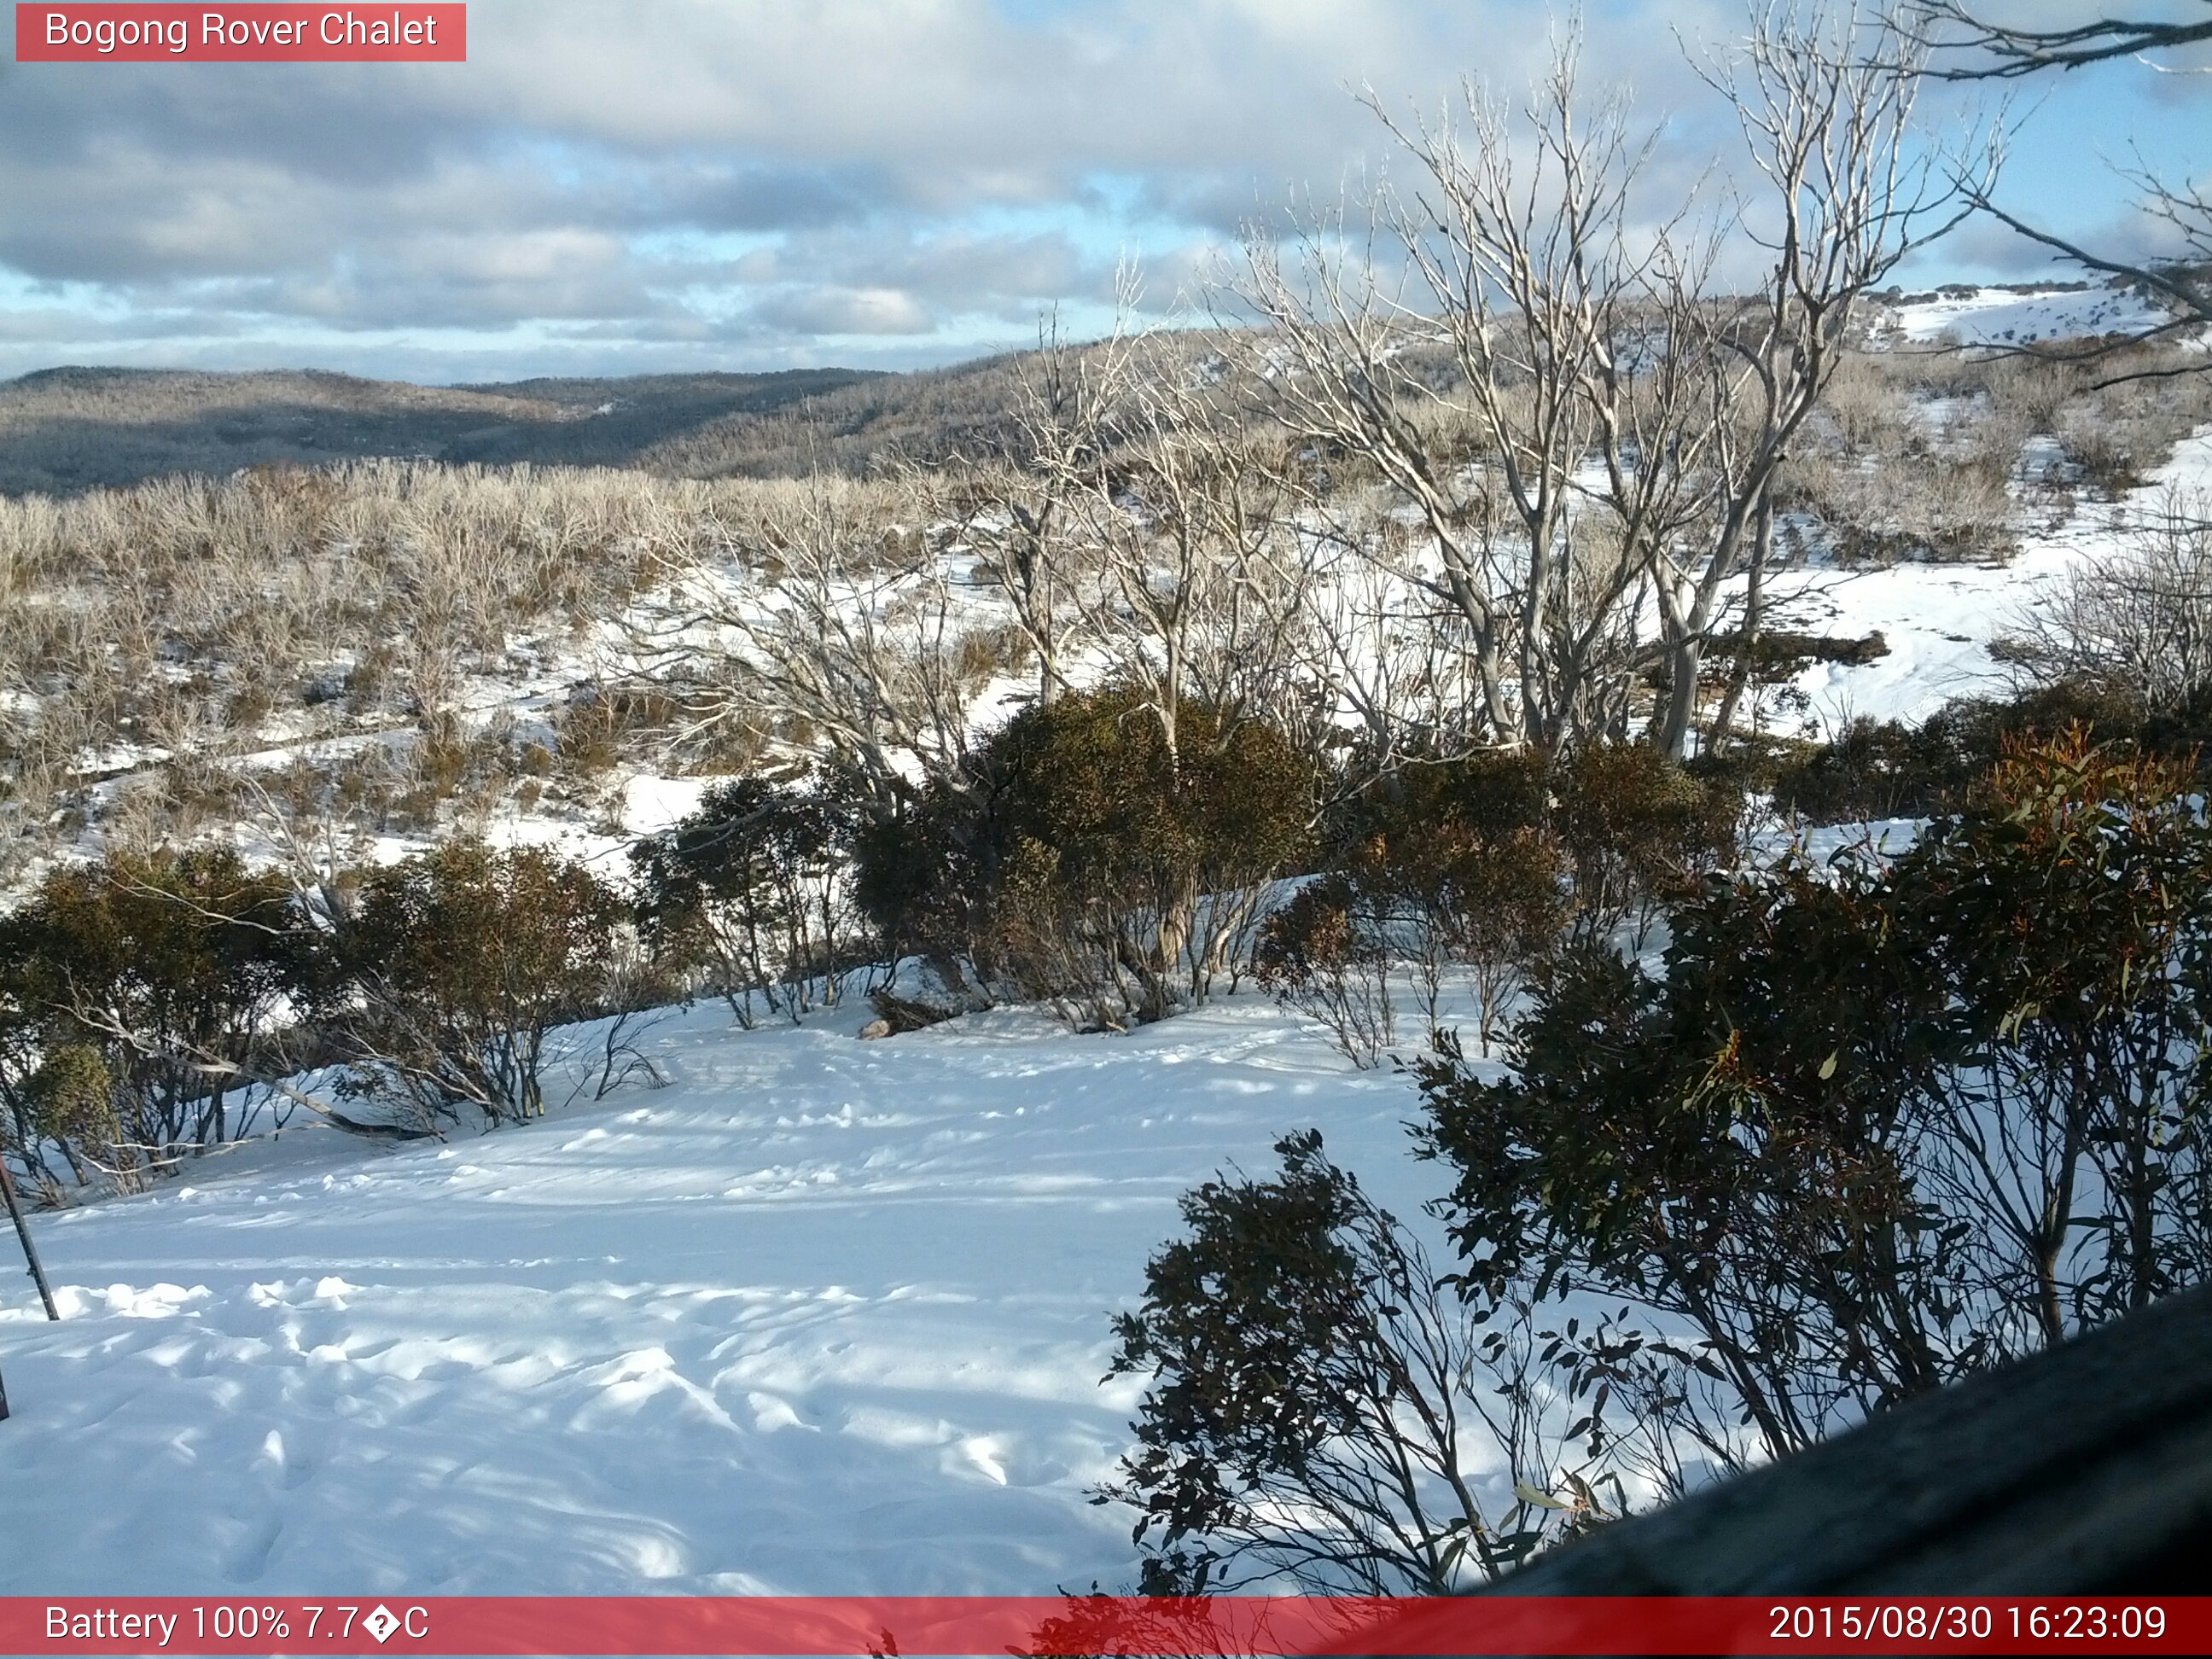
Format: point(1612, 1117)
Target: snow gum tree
point(1563, 377)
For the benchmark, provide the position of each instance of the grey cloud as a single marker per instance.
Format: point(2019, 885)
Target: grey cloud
point(912, 177)
point(958, 272)
point(828, 310)
point(714, 193)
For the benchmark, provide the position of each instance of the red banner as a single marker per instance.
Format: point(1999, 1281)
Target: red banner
point(80, 33)
point(910, 1626)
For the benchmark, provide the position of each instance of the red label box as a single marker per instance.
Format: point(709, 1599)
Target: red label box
point(259, 33)
point(1250, 1628)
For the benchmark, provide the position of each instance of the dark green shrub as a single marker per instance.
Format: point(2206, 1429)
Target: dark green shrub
point(73, 1096)
point(1313, 1400)
point(1325, 955)
point(2068, 912)
point(917, 880)
point(1887, 769)
point(756, 887)
point(1489, 795)
point(459, 965)
point(174, 968)
point(1641, 833)
point(2182, 730)
point(1671, 1142)
point(1497, 905)
point(68, 1102)
point(1453, 864)
point(1877, 1124)
point(1870, 770)
point(1079, 860)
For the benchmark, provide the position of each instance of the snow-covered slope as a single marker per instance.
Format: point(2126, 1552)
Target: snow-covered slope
point(2013, 316)
point(821, 1317)
point(1938, 619)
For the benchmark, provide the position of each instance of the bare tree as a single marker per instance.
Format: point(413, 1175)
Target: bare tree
point(2182, 282)
point(1826, 105)
point(1472, 384)
point(1021, 520)
point(824, 621)
point(1559, 385)
point(1202, 578)
point(1395, 679)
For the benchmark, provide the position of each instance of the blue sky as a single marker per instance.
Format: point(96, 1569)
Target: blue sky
point(754, 184)
point(2072, 129)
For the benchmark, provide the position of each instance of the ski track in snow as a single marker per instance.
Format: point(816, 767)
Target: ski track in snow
point(823, 1316)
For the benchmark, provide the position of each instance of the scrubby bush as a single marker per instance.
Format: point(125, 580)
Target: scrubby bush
point(1641, 833)
point(1497, 906)
point(1912, 458)
point(1460, 861)
point(1877, 1124)
point(1481, 864)
point(68, 1102)
point(1874, 769)
point(1079, 859)
point(72, 1097)
point(1870, 770)
point(1316, 1403)
point(756, 887)
point(1492, 793)
point(171, 968)
point(1325, 954)
point(2137, 625)
point(153, 1006)
point(2182, 729)
point(918, 881)
point(457, 967)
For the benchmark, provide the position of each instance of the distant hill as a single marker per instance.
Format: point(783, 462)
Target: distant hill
point(63, 430)
point(68, 429)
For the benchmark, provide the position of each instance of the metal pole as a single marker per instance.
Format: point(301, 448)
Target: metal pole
point(30, 1255)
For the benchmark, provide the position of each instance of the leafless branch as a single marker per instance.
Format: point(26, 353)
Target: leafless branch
point(2008, 51)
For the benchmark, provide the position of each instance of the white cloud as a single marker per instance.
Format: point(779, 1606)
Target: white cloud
point(830, 310)
point(924, 174)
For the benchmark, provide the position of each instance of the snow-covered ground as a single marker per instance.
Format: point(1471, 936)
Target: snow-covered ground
point(821, 1316)
point(1938, 619)
point(2013, 316)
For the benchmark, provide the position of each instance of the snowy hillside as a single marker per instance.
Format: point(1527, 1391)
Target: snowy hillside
point(1938, 619)
point(821, 1317)
point(2015, 316)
